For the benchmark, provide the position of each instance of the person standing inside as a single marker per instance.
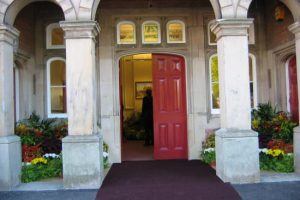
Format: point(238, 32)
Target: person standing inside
point(147, 117)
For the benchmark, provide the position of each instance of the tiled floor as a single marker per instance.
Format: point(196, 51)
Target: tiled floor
point(136, 151)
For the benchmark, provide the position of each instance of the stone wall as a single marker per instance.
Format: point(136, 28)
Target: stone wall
point(25, 23)
point(277, 32)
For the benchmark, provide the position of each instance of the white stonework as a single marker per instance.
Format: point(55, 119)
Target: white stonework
point(10, 146)
point(295, 28)
point(10, 162)
point(236, 144)
point(82, 149)
point(81, 83)
point(82, 162)
point(237, 156)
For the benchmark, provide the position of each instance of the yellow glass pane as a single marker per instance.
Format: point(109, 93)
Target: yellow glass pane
point(58, 100)
point(151, 34)
point(57, 36)
point(58, 73)
point(215, 96)
point(214, 69)
point(127, 33)
point(250, 69)
point(252, 95)
point(175, 32)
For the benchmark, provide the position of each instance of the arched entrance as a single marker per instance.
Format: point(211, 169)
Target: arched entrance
point(292, 88)
point(165, 75)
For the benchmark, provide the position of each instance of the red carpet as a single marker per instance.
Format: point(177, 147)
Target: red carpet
point(164, 180)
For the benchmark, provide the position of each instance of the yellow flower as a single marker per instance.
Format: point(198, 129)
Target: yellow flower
point(21, 128)
point(255, 123)
point(275, 152)
point(39, 160)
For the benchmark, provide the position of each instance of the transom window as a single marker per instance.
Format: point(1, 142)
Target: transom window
point(151, 32)
point(214, 83)
point(55, 37)
point(126, 33)
point(56, 85)
point(175, 31)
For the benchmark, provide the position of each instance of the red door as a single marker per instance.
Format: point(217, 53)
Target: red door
point(293, 90)
point(169, 105)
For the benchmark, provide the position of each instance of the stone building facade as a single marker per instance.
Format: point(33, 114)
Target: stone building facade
point(246, 34)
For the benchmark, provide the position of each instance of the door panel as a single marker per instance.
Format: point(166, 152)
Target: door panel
point(293, 90)
point(170, 118)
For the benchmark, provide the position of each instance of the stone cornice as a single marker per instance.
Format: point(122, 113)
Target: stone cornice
point(80, 29)
point(231, 27)
point(295, 28)
point(9, 34)
point(21, 56)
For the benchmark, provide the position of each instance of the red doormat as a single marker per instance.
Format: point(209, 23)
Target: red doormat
point(164, 180)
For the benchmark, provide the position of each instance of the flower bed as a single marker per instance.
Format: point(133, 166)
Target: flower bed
point(276, 160)
point(48, 166)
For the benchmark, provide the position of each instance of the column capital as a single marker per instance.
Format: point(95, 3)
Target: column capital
point(80, 29)
point(8, 34)
point(231, 27)
point(295, 28)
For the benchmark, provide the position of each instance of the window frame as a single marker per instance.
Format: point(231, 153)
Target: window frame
point(208, 34)
point(183, 32)
point(159, 32)
point(212, 110)
point(254, 81)
point(49, 113)
point(49, 45)
point(17, 91)
point(118, 32)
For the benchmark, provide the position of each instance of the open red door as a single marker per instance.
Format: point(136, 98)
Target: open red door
point(292, 70)
point(169, 99)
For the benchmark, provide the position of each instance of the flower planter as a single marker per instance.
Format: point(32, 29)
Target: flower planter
point(213, 164)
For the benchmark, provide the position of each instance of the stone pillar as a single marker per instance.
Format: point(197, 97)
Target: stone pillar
point(295, 28)
point(237, 156)
point(10, 145)
point(82, 148)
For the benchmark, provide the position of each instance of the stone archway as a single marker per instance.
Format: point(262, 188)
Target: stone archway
point(11, 8)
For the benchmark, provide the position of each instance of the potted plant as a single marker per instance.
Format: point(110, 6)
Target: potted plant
point(208, 154)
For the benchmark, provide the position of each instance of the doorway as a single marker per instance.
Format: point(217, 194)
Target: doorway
point(165, 75)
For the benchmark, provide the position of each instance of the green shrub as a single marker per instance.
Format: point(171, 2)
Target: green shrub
point(271, 124)
point(208, 155)
point(278, 162)
point(45, 133)
point(37, 171)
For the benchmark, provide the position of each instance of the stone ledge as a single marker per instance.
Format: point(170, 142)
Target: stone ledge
point(9, 139)
point(82, 138)
point(235, 133)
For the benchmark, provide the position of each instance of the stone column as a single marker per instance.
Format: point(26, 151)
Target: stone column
point(10, 145)
point(82, 148)
point(295, 28)
point(237, 155)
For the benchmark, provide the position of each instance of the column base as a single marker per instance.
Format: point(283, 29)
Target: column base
point(10, 162)
point(82, 162)
point(297, 149)
point(237, 156)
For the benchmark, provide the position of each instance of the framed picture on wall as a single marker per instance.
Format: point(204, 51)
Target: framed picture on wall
point(140, 89)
